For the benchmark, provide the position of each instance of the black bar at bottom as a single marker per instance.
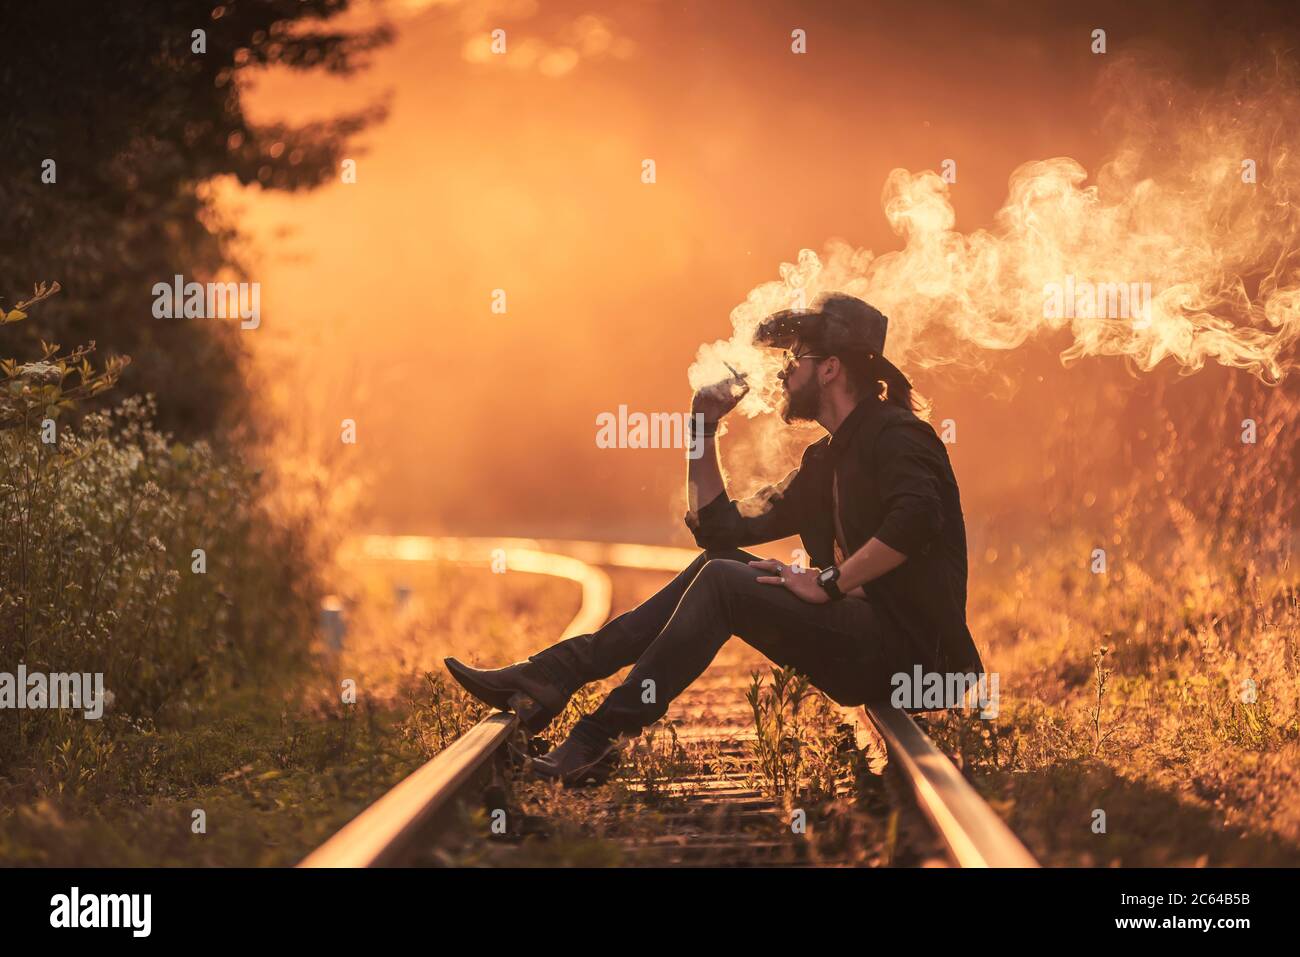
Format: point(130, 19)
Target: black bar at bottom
point(494, 907)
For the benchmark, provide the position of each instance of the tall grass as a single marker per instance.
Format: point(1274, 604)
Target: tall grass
point(155, 563)
point(124, 553)
point(1163, 690)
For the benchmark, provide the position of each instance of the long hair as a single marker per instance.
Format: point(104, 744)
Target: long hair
point(877, 377)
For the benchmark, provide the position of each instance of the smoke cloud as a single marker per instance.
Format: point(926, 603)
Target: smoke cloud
point(1197, 199)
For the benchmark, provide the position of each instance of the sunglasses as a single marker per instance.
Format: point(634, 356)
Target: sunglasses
point(790, 359)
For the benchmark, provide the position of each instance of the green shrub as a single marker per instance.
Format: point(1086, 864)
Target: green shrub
point(99, 570)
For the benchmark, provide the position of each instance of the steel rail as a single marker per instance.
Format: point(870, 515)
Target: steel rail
point(974, 835)
point(382, 833)
point(970, 830)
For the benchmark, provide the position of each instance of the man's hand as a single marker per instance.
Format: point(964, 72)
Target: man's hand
point(802, 583)
point(716, 400)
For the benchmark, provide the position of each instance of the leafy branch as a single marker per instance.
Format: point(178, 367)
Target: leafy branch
point(41, 388)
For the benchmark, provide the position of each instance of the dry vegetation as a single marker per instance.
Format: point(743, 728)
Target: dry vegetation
point(1165, 690)
point(1169, 703)
point(280, 767)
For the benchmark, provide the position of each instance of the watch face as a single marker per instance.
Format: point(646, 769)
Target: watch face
point(826, 575)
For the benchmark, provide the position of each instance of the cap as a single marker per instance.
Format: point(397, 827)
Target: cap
point(836, 323)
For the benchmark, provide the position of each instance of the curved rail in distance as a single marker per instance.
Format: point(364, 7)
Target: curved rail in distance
point(380, 834)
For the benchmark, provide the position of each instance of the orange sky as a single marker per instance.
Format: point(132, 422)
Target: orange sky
point(525, 176)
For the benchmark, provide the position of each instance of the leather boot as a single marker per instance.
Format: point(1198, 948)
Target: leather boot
point(582, 759)
point(522, 688)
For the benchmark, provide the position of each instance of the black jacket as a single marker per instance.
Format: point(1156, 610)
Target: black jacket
point(895, 484)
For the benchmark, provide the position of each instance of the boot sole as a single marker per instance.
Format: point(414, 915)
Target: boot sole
point(531, 715)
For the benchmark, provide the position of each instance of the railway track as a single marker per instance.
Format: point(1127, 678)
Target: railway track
point(716, 810)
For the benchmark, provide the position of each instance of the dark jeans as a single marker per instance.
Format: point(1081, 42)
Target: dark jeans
point(672, 637)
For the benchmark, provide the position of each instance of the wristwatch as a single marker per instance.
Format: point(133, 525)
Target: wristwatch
point(829, 580)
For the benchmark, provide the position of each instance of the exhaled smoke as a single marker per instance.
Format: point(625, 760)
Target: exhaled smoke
point(1182, 248)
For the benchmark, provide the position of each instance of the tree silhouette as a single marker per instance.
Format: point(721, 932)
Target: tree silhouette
point(136, 121)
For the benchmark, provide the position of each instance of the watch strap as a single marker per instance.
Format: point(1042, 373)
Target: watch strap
point(830, 584)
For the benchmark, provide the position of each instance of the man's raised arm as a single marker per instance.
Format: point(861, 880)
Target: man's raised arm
point(703, 472)
point(715, 520)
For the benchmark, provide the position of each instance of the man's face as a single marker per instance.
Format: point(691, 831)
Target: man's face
point(801, 389)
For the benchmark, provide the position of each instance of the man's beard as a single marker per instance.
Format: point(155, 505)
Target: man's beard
point(801, 405)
